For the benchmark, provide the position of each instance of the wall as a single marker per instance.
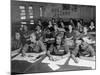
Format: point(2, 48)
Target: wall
point(52, 10)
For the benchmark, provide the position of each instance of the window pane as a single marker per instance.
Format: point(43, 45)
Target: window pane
point(31, 16)
point(30, 7)
point(31, 21)
point(22, 14)
point(23, 17)
point(23, 23)
point(21, 7)
point(22, 10)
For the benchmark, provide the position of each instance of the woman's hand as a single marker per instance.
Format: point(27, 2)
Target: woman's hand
point(55, 58)
point(42, 53)
point(51, 58)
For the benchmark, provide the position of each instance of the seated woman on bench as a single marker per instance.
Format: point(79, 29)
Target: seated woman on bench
point(16, 44)
point(34, 46)
point(58, 50)
point(86, 50)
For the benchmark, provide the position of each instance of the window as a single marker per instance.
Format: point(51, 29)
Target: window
point(23, 17)
point(21, 7)
point(30, 10)
point(31, 21)
point(23, 23)
point(41, 12)
point(22, 12)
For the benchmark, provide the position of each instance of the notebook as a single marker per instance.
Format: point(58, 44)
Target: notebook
point(53, 66)
point(82, 62)
point(29, 57)
point(59, 62)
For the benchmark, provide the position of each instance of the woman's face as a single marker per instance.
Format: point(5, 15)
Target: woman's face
point(22, 26)
point(62, 34)
point(55, 27)
point(70, 27)
point(85, 29)
point(83, 45)
point(50, 23)
point(53, 20)
point(78, 24)
point(17, 36)
point(25, 28)
point(71, 21)
point(62, 24)
point(39, 22)
point(92, 24)
point(58, 40)
point(38, 28)
point(33, 38)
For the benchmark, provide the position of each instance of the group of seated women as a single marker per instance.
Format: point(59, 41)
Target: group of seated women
point(72, 39)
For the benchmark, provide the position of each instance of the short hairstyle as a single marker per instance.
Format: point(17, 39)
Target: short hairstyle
point(62, 39)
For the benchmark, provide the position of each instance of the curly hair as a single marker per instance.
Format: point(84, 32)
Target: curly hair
point(62, 39)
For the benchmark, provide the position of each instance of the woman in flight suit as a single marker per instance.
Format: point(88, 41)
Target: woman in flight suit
point(34, 46)
point(58, 50)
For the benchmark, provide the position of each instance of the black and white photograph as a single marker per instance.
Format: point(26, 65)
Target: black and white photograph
point(52, 37)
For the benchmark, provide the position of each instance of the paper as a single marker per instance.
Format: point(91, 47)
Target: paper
point(30, 57)
point(33, 60)
point(85, 63)
point(90, 41)
point(88, 58)
point(53, 66)
point(59, 62)
point(19, 57)
point(15, 52)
